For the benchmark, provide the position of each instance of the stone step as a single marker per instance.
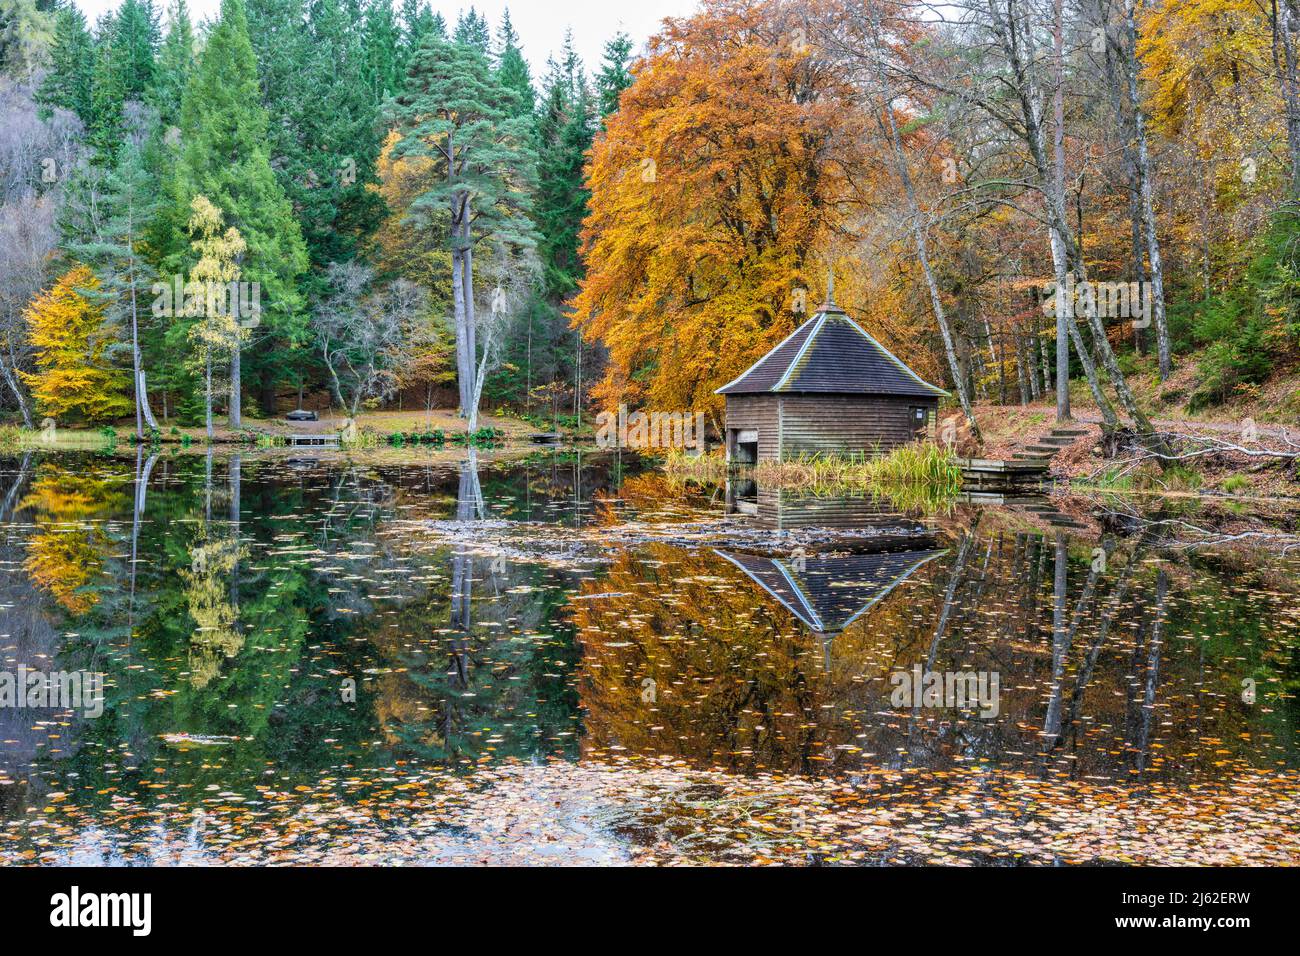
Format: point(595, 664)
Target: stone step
point(1069, 432)
point(1029, 456)
point(1056, 440)
point(1045, 451)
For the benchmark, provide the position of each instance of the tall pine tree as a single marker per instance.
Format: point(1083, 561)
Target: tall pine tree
point(472, 31)
point(70, 82)
point(512, 68)
point(223, 156)
point(614, 76)
point(175, 64)
point(455, 112)
point(382, 40)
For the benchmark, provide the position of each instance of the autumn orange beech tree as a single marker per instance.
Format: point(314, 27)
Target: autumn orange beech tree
point(716, 192)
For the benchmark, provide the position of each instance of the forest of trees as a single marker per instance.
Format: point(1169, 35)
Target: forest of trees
point(303, 196)
point(952, 162)
point(398, 207)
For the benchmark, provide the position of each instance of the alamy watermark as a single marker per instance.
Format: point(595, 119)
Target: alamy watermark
point(239, 300)
point(75, 909)
point(649, 429)
point(60, 690)
point(951, 690)
point(1107, 300)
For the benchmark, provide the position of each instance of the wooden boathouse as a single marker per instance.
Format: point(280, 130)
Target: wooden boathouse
point(829, 388)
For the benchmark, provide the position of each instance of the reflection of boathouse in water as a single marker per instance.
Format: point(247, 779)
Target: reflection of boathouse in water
point(829, 592)
point(779, 509)
point(876, 549)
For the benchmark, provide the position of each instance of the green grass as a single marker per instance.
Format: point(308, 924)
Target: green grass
point(1148, 478)
point(13, 438)
point(1111, 480)
point(1235, 483)
point(920, 464)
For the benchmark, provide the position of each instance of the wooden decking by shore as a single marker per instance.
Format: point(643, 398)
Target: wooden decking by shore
point(991, 474)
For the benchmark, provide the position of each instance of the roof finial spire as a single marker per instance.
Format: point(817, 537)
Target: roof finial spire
point(830, 289)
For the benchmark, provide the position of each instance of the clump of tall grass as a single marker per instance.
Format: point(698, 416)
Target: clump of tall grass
point(12, 437)
point(1148, 478)
point(684, 466)
point(362, 438)
point(917, 464)
point(1234, 483)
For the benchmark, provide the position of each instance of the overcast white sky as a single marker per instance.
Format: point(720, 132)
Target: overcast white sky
point(540, 23)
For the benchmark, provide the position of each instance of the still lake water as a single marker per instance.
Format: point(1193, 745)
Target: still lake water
point(573, 659)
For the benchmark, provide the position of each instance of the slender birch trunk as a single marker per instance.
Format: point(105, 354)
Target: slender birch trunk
point(1058, 188)
point(1059, 236)
point(479, 375)
point(234, 413)
point(1058, 228)
point(11, 379)
point(1127, 151)
point(207, 390)
point(137, 376)
point(1148, 203)
point(923, 254)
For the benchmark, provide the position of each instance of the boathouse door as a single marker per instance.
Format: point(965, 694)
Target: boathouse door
point(742, 445)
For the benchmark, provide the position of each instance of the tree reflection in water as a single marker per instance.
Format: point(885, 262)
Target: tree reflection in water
point(229, 599)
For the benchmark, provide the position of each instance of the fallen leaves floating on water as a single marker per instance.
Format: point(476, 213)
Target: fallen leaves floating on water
point(659, 812)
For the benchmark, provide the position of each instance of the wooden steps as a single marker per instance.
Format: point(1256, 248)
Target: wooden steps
point(1047, 446)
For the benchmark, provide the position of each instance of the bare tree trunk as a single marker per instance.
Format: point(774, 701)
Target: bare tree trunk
point(1042, 365)
point(1021, 362)
point(233, 413)
point(1058, 188)
point(479, 376)
point(1021, 60)
point(138, 376)
point(1148, 204)
point(458, 308)
point(1118, 96)
point(1061, 268)
point(143, 390)
point(923, 255)
point(528, 379)
point(207, 391)
point(471, 320)
point(1284, 60)
point(11, 379)
point(1139, 261)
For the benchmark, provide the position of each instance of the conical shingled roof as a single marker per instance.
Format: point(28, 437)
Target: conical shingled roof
point(830, 353)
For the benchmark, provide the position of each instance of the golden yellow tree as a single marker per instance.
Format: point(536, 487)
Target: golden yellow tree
point(74, 375)
point(219, 334)
point(1209, 73)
